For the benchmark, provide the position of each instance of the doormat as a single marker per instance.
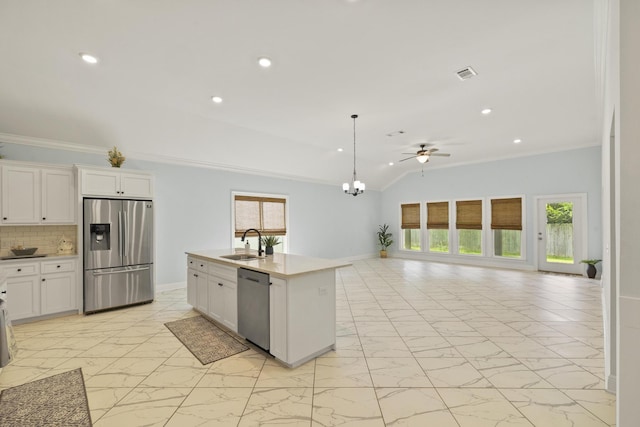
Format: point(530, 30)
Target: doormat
point(205, 340)
point(59, 400)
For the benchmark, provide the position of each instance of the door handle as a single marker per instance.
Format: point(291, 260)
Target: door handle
point(133, 270)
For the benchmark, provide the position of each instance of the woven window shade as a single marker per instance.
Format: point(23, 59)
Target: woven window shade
point(469, 215)
point(506, 214)
point(438, 216)
point(266, 214)
point(410, 216)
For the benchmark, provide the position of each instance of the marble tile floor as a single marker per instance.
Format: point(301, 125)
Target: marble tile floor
point(418, 344)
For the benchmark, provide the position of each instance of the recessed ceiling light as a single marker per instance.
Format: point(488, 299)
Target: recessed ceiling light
point(390, 163)
point(216, 99)
point(486, 111)
point(264, 62)
point(88, 58)
point(340, 150)
point(517, 141)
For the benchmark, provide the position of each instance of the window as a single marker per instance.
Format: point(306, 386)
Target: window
point(267, 214)
point(438, 226)
point(411, 226)
point(506, 223)
point(469, 226)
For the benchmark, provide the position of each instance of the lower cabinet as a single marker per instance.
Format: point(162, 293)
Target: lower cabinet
point(278, 318)
point(192, 278)
point(212, 290)
point(40, 288)
point(223, 297)
point(202, 303)
point(57, 292)
point(23, 297)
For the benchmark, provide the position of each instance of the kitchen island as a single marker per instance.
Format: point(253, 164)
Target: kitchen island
point(302, 298)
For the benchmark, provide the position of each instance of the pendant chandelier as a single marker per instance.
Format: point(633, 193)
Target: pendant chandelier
point(356, 186)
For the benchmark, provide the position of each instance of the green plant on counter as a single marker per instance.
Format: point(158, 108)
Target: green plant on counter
point(270, 241)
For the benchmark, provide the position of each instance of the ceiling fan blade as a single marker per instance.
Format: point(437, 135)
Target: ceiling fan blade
point(409, 153)
point(433, 150)
point(441, 154)
point(408, 158)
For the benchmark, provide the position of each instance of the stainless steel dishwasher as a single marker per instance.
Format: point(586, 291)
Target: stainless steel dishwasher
point(253, 307)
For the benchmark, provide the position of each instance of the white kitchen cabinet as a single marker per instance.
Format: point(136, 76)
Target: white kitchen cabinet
point(36, 288)
point(223, 301)
point(202, 300)
point(20, 195)
point(216, 299)
point(57, 292)
point(105, 182)
point(34, 195)
point(57, 286)
point(23, 296)
point(192, 279)
point(278, 318)
point(223, 304)
point(58, 196)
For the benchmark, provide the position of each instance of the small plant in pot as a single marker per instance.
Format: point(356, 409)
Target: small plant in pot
point(384, 239)
point(269, 242)
point(591, 267)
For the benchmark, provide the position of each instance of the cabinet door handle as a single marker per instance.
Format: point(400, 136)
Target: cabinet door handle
point(220, 284)
point(44, 280)
point(195, 275)
point(19, 270)
point(57, 266)
point(43, 218)
point(4, 218)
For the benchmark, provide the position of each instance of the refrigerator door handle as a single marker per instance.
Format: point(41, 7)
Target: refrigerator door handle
point(128, 270)
point(125, 234)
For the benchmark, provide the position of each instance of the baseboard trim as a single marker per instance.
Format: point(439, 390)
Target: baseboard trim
point(170, 286)
point(611, 384)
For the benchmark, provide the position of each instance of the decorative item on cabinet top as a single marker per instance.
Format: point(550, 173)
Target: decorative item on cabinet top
point(116, 159)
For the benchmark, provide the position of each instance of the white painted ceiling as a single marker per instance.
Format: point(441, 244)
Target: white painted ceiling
point(391, 62)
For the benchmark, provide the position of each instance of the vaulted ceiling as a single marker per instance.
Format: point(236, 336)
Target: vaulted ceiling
point(393, 63)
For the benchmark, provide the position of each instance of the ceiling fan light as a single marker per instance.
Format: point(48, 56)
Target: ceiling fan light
point(423, 158)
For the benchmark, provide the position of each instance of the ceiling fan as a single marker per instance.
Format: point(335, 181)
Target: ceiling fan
point(423, 154)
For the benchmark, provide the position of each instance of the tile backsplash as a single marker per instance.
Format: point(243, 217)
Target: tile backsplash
point(43, 237)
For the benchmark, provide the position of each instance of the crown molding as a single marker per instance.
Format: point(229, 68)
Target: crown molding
point(157, 158)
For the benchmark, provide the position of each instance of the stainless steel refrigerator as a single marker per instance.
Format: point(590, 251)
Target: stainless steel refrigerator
point(118, 253)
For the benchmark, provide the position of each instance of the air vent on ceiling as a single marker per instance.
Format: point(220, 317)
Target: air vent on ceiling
point(466, 73)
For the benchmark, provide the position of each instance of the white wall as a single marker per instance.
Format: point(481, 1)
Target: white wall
point(193, 209)
point(573, 171)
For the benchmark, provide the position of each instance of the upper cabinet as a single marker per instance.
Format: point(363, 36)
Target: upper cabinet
point(20, 195)
point(58, 196)
point(34, 195)
point(106, 182)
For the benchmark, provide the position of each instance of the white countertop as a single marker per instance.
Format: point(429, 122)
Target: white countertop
point(40, 258)
point(278, 264)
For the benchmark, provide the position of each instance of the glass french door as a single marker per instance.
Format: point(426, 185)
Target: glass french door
point(561, 237)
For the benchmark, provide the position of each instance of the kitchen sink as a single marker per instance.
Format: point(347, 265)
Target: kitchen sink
point(239, 257)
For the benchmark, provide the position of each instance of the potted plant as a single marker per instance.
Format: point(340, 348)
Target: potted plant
point(384, 239)
point(116, 159)
point(269, 242)
point(591, 267)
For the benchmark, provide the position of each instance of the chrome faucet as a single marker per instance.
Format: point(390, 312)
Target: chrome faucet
point(260, 251)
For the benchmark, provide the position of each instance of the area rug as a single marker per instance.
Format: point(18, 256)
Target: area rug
point(205, 340)
point(59, 400)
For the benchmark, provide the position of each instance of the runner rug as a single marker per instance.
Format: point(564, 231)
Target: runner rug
point(59, 400)
point(205, 340)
